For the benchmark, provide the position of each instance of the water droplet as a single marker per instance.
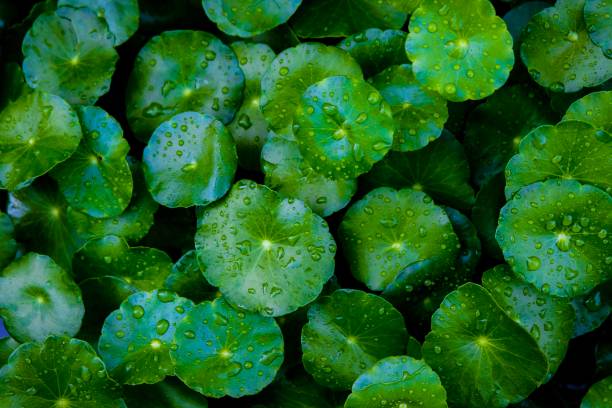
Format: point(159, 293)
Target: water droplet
point(162, 327)
point(432, 27)
point(535, 331)
point(533, 263)
point(137, 312)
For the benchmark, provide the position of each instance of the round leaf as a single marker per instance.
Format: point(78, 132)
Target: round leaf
point(288, 173)
point(70, 53)
point(58, 373)
point(440, 169)
point(39, 299)
point(343, 126)
point(495, 128)
point(122, 16)
point(554, 234)
point(592, 309)
point(419, 114)
point(96, 179)
point(137, 338)
point(549, 320)
point(247, 18)
point(360, 328)
point(186, 279)
point(180, 71)
point(190, 160)
point(275, 254)
point(132, 224)
point(598, 19)
point(389, 229)
point(331, 18)
point(8, 245)
point(375, 49)
point(142, 267)
point(558, 52)
point(482, 356)
point(397, 382)
point(40, 215)
point(570, 150)
point(294, 70)
point(599, 395)
point(37, 132)
point(462, 52)
point(249, 127)
point(594, 108)
point(223, 351)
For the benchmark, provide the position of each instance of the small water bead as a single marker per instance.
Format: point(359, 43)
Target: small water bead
point(137, 312)
point(162, 327)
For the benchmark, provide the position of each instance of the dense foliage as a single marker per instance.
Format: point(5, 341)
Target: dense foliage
point(305, 203)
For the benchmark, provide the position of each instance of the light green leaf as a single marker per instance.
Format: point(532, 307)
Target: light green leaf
point(182, 71)
point(482, 356)
point(37, 131)
point(39, 299)
point(190, 160)
point(360, 328)
point(388, 229)
point(223, 351)
point(570, 150)
point(70, 53)
point(96, 179)
point(343, 126)
point(137, 338)
point(599, 395)
point(262, 235)
point(594, 108)
point(554, 234)
point(462, 51)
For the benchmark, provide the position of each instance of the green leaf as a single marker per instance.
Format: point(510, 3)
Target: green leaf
point(187, 280)
point(70, 53)
point(249, 127)
point(96, 179)
point(166, 394)
point(597, 16)
point(262, 235)
point(495, 128)
point(485, 213)
point(137, 338)
point(462, 52)
point(599, 395)
point(558, 52)
point(223, 351)
point(180, 71)
point(570, 150)
point(549, 320)
point(554, 234)
point(42, 223)
point(288, 173)
point(37, 131)
point(330, 18)
point(58, 373)
point(343, 126)
point(142, 267)
point(298, 391)
point(413, 349)
point(347, 332)
point(418, 113)
point(190, 160)
point(592, 309)
point(440, 169)
point(247, 18)
point(8, 245)
point(122, 16)
point(388, 229)
point(595, 109)
point(482, 356)
point(39, 299)
point(399, 382)
point(132, 224)
point(375, 49)
point(420, 287)
point(293, 71)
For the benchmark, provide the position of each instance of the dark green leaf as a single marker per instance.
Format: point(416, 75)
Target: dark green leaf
point(375, 49)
